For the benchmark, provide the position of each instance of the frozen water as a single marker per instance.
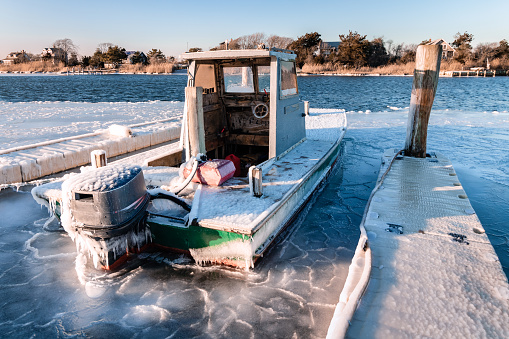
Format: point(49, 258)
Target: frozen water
point(293, 290)
point(24, 123)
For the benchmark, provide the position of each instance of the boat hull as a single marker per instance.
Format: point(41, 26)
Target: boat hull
point(213, 246)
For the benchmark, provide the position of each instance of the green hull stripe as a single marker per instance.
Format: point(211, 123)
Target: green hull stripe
point(184, 238)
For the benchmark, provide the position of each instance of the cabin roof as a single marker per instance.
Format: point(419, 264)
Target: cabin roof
point(240, 54)
point(445, 44)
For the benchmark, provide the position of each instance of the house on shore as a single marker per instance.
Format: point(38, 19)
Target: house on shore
point(135, 57)
point(53, 54)
point(447, 50)
point(327, 48)
point(15, 58)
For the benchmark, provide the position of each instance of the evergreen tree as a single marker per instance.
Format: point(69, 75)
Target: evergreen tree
point(97, 60)
point(377, 54)
point(502, 50)
point(85, 61)
point(463, 46)
point(156, 56)
point(304, 46)
point(353, 50)
point(139, 58)
point(115, 55)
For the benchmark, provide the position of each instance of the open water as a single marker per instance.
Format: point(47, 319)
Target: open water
point(293, 290)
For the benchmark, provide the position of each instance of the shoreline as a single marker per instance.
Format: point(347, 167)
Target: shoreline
point(65, 73)
point(352, 74)
point(446, 74)
point(442, 74)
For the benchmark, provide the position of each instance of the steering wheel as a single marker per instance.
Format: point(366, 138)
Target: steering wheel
point(260, 110)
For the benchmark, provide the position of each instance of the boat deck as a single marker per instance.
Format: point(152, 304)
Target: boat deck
point(239, 208)
point(434, 272)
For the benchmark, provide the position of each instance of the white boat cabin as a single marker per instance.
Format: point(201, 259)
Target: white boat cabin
point(242, 102)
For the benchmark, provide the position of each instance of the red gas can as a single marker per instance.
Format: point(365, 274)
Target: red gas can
point(236, 162)
point(213, 172)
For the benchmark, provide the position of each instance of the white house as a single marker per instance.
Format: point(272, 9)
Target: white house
point(16, 57)
point(54, 54)
point(447, 50)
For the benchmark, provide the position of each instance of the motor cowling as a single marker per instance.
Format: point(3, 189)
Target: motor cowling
point(104, 212)
point(113, 208)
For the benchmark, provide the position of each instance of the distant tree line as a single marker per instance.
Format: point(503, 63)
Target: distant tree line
point(356, 51)
point(107, 53)
point(66, 52)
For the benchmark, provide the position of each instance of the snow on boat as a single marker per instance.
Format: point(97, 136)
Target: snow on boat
point(249, 159)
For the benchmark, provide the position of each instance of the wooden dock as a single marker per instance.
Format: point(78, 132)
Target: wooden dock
point(423, 262)
point(475, 73)
point(81, 71)
point(433, 271)
point(30, 162)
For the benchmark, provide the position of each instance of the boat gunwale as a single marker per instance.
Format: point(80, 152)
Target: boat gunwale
point(294, 214)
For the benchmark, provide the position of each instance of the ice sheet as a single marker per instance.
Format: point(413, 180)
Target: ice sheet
point(293, 290)
point(24, 123)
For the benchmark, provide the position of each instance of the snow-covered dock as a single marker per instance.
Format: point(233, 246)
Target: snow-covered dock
point(24, 164)
point(434, 273)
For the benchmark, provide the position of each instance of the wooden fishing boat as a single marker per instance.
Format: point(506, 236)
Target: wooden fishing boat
point(243, 111)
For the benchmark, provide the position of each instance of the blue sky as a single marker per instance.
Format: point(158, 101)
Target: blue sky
point(171, 26)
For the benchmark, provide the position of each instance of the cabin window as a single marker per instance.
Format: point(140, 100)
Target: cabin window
point(205, 78)
point(288, 79)
point(264, 79)
point(238, 79)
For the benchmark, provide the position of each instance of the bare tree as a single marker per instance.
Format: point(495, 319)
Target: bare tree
point(248, 41)
point(104, 46)
point(67, 46)
point(408, 53)
point(485, 51)
point(278, 41)
point(252, 41)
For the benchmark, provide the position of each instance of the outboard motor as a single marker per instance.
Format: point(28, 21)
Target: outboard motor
point(106, 212)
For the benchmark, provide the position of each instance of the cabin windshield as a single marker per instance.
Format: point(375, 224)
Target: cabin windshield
point(238, 79)
point(236, 108)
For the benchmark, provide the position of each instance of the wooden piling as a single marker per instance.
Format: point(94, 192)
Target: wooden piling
point(195, 123)
point(427, 69)
point(98, 158)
